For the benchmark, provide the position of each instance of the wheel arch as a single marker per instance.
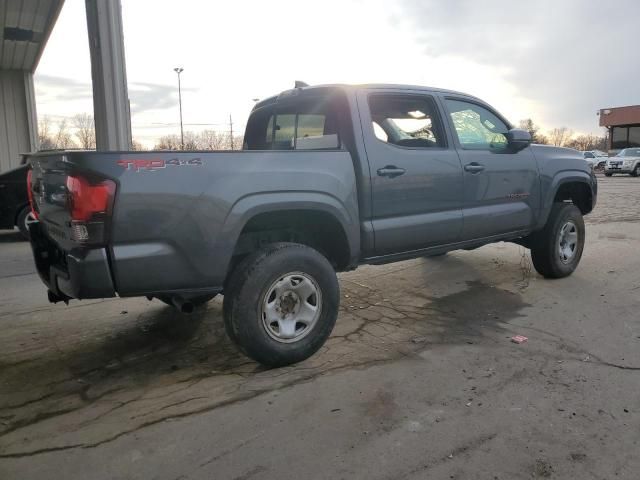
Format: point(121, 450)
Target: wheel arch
point(576, 187)
point(299, 212)
point(18, 212)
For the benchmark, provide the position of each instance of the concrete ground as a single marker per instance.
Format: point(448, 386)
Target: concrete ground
point(419, 379)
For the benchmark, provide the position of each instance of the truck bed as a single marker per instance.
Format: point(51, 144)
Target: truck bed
point(176, 217)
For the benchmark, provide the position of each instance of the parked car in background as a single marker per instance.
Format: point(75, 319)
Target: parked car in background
point(626, 161)
point(14, 201)
point(596, 159)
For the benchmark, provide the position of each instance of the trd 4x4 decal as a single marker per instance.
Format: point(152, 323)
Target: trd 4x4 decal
point(152, 164)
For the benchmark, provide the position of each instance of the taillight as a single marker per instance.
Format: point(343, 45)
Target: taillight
point(30, 194)
point(89, 204)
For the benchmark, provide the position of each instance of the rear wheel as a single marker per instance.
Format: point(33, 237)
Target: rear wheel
point(281, 303)
point(24, 219)
point(608, 174)
point(556, 250)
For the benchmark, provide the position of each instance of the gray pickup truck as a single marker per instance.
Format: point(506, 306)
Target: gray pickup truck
point(330, 177)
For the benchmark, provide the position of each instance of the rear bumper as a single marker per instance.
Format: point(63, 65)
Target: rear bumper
point(82, 273)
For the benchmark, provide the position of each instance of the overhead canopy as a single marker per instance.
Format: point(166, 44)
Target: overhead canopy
point(25, 26)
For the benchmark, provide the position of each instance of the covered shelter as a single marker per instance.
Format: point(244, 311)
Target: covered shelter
point(25, 26)
point(623, 125)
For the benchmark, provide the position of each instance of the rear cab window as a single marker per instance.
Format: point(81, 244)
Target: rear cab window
point(300, 124)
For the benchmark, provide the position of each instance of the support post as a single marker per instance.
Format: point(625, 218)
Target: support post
point(108, 70)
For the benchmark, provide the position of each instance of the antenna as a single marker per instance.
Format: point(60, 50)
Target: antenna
point(300, 84)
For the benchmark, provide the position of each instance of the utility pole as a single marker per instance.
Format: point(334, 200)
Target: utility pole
point(179, 70)
point(231, 130)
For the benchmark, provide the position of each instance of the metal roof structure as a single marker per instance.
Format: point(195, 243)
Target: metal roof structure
point(25, 26)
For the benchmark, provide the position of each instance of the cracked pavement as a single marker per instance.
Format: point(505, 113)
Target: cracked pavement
point(418, 380)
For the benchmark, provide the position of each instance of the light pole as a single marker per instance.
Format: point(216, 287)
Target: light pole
point(179, 70)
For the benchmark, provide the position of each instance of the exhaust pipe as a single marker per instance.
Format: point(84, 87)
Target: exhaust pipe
point(55, 298)
point(182, 305)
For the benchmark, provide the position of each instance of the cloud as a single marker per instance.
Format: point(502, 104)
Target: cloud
point(571, 57)
point(143, 96)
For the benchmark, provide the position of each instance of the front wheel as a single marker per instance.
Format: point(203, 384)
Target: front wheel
point(635, 171)
point(281, 303)
point(556, 250)
point(608, 174)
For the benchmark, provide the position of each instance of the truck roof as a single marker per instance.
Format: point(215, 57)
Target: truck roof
point(362, 86)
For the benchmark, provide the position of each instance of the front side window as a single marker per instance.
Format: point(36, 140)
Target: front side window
point(476, 127)
point(405, 121)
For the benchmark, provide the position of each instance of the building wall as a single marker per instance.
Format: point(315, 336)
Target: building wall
point(620, 116)
point(18, 132)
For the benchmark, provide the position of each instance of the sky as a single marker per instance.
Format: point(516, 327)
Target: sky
point(557, 62)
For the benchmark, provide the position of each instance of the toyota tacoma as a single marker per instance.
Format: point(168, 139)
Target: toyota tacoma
point(330, 177)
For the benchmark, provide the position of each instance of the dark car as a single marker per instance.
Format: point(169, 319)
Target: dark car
point(14, 202)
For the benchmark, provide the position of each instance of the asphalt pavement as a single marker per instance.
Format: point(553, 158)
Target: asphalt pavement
point(420, 378)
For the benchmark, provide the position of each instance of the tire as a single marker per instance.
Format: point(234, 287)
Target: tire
point(608, 174)
point(24, 218)
point(635, 171)
point(550, 258)
point(281, 276)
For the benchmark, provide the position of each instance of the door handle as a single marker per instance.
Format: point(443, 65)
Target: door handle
point(391, 171)
point(473, 167)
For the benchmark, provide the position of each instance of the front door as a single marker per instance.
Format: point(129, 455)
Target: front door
point(502, 190)
point(416, 176)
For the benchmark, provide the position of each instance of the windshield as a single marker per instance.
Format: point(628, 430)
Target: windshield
point(629, 152)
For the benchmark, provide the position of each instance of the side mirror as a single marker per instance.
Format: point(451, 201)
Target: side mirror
point(518, 139)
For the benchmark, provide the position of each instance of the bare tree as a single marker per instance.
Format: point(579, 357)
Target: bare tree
point(235, 145)
point(238, 142)
point(587, 142)
point(137, 146)
point(559, 137)
point(191, 141)
point(85, 130)
point(212, 140)
point(45, 140)
point(62, 139)
point(534, 130)
point(168, 142)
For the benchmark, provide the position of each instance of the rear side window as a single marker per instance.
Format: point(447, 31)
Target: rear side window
point(406, 120)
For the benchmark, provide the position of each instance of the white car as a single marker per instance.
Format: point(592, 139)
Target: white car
point(595, 158)
point(626, 161)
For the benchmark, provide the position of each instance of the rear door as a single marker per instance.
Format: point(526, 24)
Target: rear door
point(501, 187)
point(416, 176)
